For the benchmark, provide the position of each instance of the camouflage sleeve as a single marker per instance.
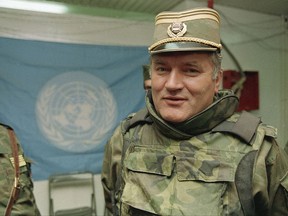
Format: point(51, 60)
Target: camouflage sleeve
point(111, 169)
point(25, 203)
point(271, 180)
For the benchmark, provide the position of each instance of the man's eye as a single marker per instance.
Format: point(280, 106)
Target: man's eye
point(192, 71)
point(161, 69)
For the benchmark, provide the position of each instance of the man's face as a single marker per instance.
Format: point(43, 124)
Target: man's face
point(182, 84)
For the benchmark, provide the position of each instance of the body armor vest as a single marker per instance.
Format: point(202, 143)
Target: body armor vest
point(241, 128)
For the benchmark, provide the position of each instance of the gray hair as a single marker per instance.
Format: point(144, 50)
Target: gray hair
point(216, 60)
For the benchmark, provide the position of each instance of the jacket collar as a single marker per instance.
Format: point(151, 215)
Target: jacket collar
point(224, 105)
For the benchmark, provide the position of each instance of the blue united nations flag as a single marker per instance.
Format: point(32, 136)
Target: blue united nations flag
point(75, 111)
point(65, 100)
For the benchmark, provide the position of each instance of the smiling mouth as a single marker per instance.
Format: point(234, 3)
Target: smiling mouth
point(174, 100)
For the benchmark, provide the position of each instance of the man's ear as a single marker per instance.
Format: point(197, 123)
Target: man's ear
point(218, 81)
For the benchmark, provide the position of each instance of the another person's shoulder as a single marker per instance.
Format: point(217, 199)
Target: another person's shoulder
point(4, 128)
point(4, 138)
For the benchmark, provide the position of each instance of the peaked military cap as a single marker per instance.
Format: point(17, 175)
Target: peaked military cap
point(191, 30)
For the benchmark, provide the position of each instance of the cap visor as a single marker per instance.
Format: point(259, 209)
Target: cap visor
point(182, 46)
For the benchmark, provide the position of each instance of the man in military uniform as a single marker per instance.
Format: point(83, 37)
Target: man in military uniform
point(188, 152)
point(16, 186)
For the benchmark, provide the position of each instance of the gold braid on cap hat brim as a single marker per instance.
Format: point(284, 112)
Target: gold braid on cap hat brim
point(185, 39)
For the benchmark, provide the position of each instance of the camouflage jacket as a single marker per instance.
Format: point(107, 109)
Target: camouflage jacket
point(25, 203)
point(205, 173)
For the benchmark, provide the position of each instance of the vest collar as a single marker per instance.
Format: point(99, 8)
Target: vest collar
point(224, 105)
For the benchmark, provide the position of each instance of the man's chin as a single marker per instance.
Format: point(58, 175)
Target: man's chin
point(173, 118)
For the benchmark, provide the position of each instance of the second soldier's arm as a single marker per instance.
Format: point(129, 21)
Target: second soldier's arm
point(111, 170)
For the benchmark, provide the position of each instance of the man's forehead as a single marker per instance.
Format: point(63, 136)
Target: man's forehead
point(160, 56)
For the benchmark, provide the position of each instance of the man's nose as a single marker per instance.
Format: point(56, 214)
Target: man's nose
point(174, 80)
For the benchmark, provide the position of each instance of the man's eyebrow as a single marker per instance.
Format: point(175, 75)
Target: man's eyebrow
point(192, 63)
point(158, 61)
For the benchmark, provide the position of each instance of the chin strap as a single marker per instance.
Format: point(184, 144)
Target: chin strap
point(16, 185)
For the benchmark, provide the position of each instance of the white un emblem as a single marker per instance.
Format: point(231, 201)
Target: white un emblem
point(75, 111)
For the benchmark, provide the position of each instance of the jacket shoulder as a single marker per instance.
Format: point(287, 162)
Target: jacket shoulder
point(242, 125)
point(139, 118)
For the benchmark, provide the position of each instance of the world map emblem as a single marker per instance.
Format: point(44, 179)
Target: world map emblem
point(75, 111)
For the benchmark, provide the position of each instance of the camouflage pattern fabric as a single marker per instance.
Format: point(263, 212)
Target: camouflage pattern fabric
point(193, 177)
point(25, 204)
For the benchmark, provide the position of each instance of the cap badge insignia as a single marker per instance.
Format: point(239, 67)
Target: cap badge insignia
point(177, 29)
